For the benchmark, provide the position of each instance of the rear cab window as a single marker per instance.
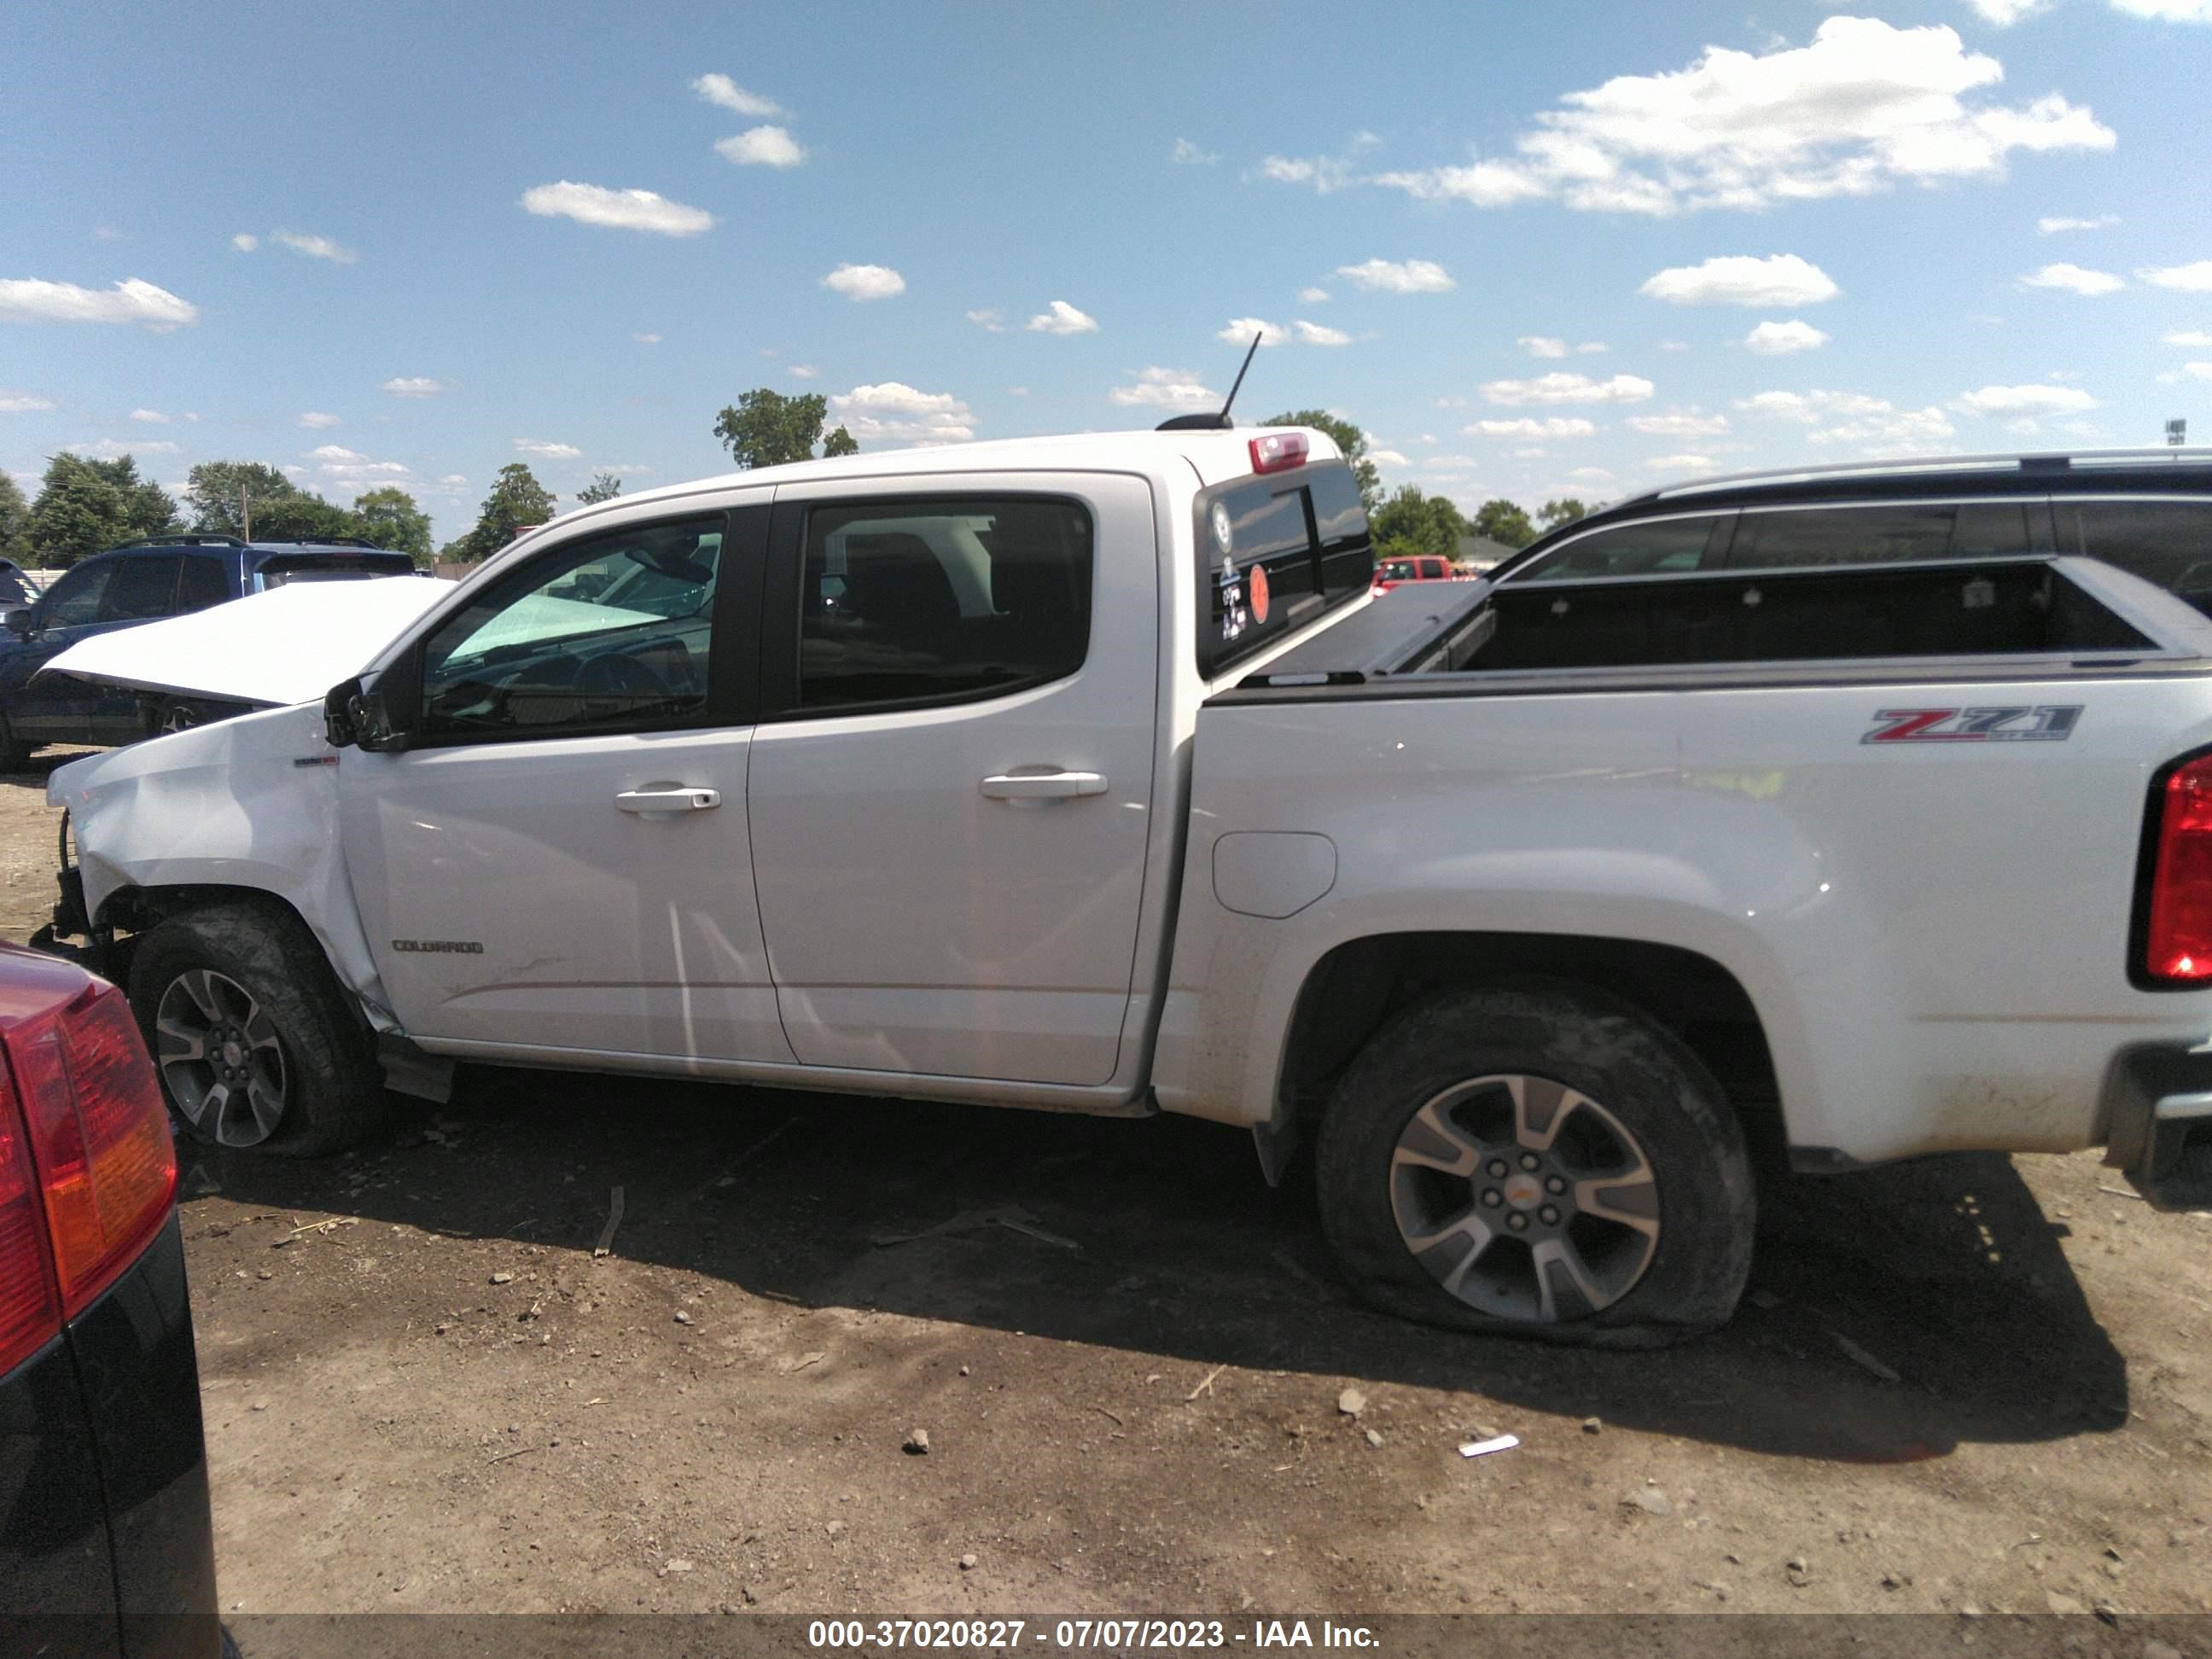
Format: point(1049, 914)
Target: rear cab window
point(1274, 552)
point(283, 569)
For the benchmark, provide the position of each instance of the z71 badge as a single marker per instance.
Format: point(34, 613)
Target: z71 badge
point(2050, 722)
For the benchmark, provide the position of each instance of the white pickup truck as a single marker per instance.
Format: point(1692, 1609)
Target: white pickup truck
point(1087, 773)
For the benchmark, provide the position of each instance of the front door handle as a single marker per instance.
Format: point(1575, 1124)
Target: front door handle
point(668, 798)
point(1043, 785)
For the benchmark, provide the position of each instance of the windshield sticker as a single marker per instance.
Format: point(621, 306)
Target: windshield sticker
point(2043, 723)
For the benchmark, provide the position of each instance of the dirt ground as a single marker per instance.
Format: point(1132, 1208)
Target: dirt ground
point(1964, 1384)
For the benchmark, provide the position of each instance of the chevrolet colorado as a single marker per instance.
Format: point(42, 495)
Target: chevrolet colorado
point(1087, 773)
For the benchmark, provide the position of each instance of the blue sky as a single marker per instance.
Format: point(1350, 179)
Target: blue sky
point(1578, 248)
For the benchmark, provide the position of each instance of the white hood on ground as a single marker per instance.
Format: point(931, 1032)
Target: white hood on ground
point(289, 645)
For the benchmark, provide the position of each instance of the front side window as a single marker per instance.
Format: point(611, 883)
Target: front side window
point(141, 589)
point(542, 653)
point(904, 602)
point(1657, 547)
point(75, 598)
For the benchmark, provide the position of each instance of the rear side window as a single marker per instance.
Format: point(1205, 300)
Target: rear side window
point(930, 601)
point(2169, 543)
point(1274, 552)
point(1660, 546)
point(1793, 540)
point(205, 582)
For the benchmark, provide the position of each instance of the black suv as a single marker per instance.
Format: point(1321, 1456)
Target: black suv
point(2149, 512)
point(143, 581)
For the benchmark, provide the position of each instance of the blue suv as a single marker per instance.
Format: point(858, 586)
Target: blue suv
point(143, 581)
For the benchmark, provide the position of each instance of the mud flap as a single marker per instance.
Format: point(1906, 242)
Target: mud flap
point(2160, 1133)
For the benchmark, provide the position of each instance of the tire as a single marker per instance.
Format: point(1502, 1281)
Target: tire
point(257, 1046)
point(1626, 1211)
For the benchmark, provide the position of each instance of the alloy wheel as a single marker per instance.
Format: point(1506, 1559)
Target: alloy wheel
point(220, 1058)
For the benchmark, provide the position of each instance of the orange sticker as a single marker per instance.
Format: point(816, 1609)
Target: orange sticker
point(1256, 589)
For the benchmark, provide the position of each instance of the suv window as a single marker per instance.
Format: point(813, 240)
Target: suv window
point(914, 601)
point(1636, 549)
point(1794, 539)
point(141, 588)
point(536, 656)
point(2169, 543)
point(205, 582)
point(75, 596)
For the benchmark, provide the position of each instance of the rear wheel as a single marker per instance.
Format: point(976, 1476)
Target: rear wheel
point(1538, 1161)
point(255, 1042)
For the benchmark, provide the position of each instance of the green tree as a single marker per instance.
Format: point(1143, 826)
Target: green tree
point(1349, 439)
point(517, 501)
point(79, 511)
point(1566, 510)
point(390, 518)
point(147, 509)
point(1504, 521)
point(302, 517)
point(766, 428)
point(212, 490)
point(839, 442)
point(603, 487)
point(15, 521)
point(1411, 522)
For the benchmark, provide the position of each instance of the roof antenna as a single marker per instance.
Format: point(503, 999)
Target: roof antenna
point(1220, 421)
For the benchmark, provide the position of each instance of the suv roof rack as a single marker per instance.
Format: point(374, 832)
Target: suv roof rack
point(2053, 461)
point(193, 540)
point(318, 541)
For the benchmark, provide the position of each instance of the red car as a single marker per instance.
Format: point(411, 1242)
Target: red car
point(1422, 567)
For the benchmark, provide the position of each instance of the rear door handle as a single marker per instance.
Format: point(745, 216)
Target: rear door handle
point(678, 797)
point(1043, 785)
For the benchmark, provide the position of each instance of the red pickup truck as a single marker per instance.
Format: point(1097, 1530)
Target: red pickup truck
point(1423, 568)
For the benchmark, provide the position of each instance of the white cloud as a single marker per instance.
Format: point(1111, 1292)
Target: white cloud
point(1324, 173)
point(2005, 13)
point(317, 420)
point(117, 447)
point(245, 243)
point(134, 300)
point(1539, 345)
point(24, 403)
point(335, 452)
point(454, 481)
point(1241, 331)
point(866, 281)
point(2170, 11)
point(2051, 224)
point(897, 413)
point(988, 320)
point(150, 417)
point(413, 385)
point(1562, 388)
point(2025, 400)
point(1190, 155)
point(2074, 279)
point(1589, 348)
point(315, 247)
point(1411, 277)
point(1387, 458)
point(1680, 423)
point(2195, 371)
point(1863, 105)
point(1320, 334)
point(2190, 279)
point(1063, 318)
point(1680, 463)
point(1739, 279)
point(1553, 426)
point(720, 89)
point(646, 339)
point(1166, 388)
point(1313, 296)
point(1853, 418)
point(1779, 339)
point(619, 209)
point(2186, 336)
point(799, 372)
point(551, 452)
point(767, 146)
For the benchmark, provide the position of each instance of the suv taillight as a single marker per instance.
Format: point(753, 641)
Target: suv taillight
point(2178, 937)
point(89, 1146)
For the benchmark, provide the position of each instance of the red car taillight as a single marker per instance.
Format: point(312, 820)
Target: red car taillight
point(2178, 940)
point(88, 1145)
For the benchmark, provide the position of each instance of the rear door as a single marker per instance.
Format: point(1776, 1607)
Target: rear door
point(950, 792)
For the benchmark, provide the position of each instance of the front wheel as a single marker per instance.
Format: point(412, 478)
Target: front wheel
point(1538, 1161)
point(254, 1041)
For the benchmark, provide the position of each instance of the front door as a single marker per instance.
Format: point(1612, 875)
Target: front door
point(558, 865)
point(96, 596)
point(951, 789)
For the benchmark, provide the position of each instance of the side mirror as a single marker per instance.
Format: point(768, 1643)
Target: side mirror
point(18, 622)
point(355, 718)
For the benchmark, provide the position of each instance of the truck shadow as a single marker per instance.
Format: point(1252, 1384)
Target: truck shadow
point(1160, 1237)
